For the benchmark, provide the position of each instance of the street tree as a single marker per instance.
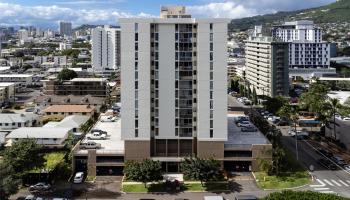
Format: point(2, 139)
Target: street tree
point(23, 156)
point(204, 170)
point(255, 97)
point(143, 171)
point(8, 182)
point(274, 104)
point(66, 74)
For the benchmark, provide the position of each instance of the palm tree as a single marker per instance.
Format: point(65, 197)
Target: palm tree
point(333, 106)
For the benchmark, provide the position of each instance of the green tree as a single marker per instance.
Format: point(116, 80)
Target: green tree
point(241, 90)
point(274, 104)
point(144, 171)
point(301, 195)
point(331, 108)
point(315, 98)
point(255, 97)
point(71, 53)
point(66, 74)
point(232, 86)
point(201, 169)
point(24, 155)
point(8, 182)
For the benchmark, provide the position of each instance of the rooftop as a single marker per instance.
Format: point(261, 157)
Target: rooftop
point(341, 95)
point(70, 108)
point(15, 118)
point(72, 121)
point(88, 79)
point(16, 75)
point(237, 138)
point(113, 144)
point(38, 132)
point(70, 99)
point(4, 84)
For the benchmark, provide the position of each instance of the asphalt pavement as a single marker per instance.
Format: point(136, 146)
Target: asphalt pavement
point(324, 180)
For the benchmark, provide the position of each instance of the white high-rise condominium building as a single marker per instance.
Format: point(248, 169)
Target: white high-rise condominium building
point(174, 85)
point(309, 55)
point(65, 28)
point(105, 49)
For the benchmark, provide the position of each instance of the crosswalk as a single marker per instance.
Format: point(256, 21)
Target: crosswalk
point(323, 185)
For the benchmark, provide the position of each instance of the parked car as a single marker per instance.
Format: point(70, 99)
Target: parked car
point(339, 160)
point(300, 134)
point(40, 186)
point(327, 164)
point(241, 118)
point(79, 177)
point(96, 136)
point(244, 124)
point(109, 119)
point(90, 145)
point(249, 129)
point(324, 152)
point(98, 130)
point(347, 168)
point(246, 197)
point(29, 110)
point(30, 197)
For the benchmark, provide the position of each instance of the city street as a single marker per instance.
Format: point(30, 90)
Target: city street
point(325, 181)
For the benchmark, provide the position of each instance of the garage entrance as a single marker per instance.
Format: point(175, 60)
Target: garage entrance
point(238, 166)
point(80, 163)
point(109, 170)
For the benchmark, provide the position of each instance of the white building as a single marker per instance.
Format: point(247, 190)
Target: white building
point(309, 55)
point(7, 92)
point(20, 80)
point(65, 28)
point(174, 86)
point(55, 61)
point(65, 45)
point(23, 36)
point(105, 48)
point(10, 121)
point(49, 137)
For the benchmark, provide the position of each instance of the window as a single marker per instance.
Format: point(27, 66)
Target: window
point(211, 133)
point(136, 132)
point(136, 123)
point(211, 46)
point(211, 26)
point(136, 27)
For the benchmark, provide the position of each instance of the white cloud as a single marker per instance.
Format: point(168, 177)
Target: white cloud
point(15, 14)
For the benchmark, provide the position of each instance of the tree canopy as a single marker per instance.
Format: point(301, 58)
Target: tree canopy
point(302, 195)
point(143, 171)
point(274, 104)
point(66, 74)
point(201, 169)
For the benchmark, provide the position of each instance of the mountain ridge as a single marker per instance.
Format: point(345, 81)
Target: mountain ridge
point(338, 11)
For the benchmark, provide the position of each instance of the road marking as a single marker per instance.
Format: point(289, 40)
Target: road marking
point(329, 183)
point(344, 183)
point(321, 188)
point(322, 184)
point(338, 184)
point(348, 181)
point(327, 192)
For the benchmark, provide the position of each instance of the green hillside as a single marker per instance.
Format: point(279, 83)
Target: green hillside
point(335, 12)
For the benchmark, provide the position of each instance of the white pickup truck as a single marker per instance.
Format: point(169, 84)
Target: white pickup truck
point(96, 136)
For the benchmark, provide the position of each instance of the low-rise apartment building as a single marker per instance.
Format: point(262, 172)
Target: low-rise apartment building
point(339, 130)
point(10, 121)
point(7, 93)
point(49, 100)
point(20, 80)
point(97, 87)
point(51, 137)
point(66, 110)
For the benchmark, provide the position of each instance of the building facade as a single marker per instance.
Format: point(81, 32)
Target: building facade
point(309, 55)
point(96, 87)
point(173, 90)
point(267, 66)
point(105, 49)
point(65, 28)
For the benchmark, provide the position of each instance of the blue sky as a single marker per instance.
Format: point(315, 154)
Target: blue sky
point(47, 13)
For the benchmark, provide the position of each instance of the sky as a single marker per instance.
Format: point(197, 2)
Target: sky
point(47, 13)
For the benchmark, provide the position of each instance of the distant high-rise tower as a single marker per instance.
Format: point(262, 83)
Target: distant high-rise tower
point(174, 80)
point(105, 49)
point(309, 55)
point(65, 28)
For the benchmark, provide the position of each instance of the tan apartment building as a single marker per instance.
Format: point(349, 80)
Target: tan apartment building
point(66, 110)
point(96, 87)
point(267, 66)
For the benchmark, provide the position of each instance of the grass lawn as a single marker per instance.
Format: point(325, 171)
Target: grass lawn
point(51, 161)
point(190, 187)
point(282, 181)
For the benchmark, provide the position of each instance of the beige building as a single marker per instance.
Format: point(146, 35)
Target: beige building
point(7, 92)
point(96, 87)
point(267, 66)
point(66, 110)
